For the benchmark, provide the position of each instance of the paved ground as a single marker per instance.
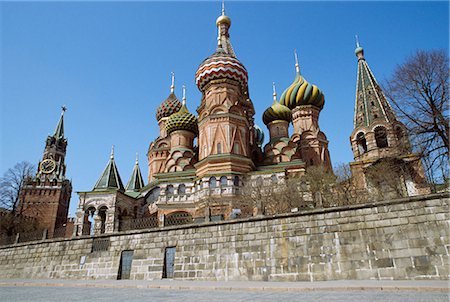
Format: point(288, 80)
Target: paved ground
point(198, 291)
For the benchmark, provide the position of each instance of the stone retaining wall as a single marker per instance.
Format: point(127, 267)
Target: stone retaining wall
point(401, 239)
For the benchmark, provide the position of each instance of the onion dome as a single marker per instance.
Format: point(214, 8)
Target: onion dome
point(277, 111)
point(359, 51)
point(259, 135)
point(222, 64)
point(170, 106)
point(182, 120)
point(301, 92)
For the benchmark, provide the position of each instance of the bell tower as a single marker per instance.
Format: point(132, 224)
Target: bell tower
point(46, 197)
point(380, 142)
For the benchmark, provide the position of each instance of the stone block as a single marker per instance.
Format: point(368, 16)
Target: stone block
point(383, 263)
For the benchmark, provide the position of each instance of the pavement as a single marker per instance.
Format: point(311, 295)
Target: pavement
point(57, 290)
point(338, 285)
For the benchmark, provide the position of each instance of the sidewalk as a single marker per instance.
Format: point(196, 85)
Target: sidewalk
point(339, 285)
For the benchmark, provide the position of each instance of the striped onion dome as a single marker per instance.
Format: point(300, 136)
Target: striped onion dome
point(182, 120)
point(259, 135)
point(301, 93)
point(170, 106)
point(220, 65)
point(277, 112)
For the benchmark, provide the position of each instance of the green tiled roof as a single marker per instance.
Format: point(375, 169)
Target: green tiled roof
point(370, 103)
point(136, 182)
point(110, 178)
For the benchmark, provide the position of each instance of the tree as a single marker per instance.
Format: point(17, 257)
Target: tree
point(419, 92)
point(345, 190)
point(11, 184)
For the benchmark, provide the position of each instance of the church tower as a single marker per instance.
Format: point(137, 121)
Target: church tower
point(226, 136)
point(46, 197)
point(378, 137)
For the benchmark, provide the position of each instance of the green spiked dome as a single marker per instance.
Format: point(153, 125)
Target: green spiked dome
point(182, 120)
point(277, 112)
point(302, 93)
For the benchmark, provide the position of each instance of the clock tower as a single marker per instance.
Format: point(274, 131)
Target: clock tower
point(46, 197)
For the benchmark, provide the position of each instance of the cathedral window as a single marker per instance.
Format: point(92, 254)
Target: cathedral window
point(381, 137)
point(169, 190)
point(362, 144)
point(154, 194)
point(219, 148)
point(212, 182)
point(223, 181)
point(182, 189)
point(236, 180)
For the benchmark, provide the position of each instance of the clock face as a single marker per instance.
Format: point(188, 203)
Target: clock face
point(47, 166)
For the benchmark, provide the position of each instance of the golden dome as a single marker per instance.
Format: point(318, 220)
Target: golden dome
point(223, 19)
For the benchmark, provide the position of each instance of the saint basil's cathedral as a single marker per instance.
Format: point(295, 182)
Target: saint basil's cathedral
point(199, 163)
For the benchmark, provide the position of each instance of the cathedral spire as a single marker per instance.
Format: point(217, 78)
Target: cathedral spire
point(172, 87)
point(110, 178)
point(223, 23)
point(59, 131)
point(297, 66)
point(370, 103)
point(136, 182)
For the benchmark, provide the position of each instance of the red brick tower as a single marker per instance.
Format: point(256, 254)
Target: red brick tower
point(46, 197)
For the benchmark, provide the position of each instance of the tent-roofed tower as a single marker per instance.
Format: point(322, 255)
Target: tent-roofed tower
point(102, 209)
point(379, 137)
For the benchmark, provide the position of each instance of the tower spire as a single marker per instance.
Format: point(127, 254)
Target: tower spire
point(359, 51)
point(297, 66)
point(184, 95)
point(274, 92)
point(172, 87)
point(59, 131)
point(110, 178)
point(223, 23)
point(136, 181)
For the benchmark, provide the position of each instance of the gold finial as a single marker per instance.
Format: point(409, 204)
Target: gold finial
point(357, 41)
point(297, 66)
point(184, 95)
point(172, 87)
point(137, 158)
point(223, 7)
point(274, 92)
point(112, 152)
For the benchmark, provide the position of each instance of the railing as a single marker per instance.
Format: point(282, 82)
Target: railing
point(178, 219)
point(138, 223)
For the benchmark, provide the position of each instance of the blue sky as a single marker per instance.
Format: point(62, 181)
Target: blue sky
point(110, 64)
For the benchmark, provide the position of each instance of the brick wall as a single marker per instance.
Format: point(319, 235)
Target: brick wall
point(402, 239)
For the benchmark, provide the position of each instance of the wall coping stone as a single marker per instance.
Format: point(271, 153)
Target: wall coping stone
point(345, 208)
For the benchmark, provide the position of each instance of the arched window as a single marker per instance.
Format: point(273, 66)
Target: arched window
point(102, 215)
point(381, 137)
point(154, 194)
point(212, 182)
point(223, 181)
point(219, 148)
point(362, 144)
point(236, 180)
point(182, 189)
point(169, 190)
